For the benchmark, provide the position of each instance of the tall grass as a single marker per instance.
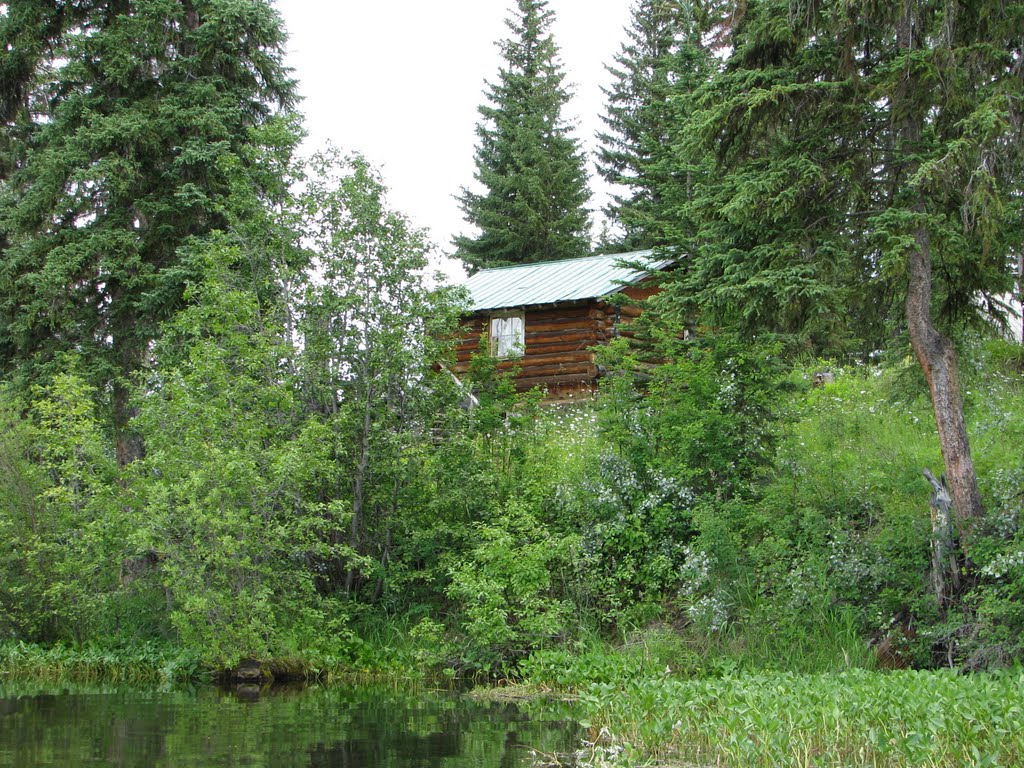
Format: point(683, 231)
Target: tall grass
point(151, 666)
point(145, 665)
point(830, 640)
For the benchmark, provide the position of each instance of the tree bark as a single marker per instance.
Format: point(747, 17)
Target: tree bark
point(359, 483)
point(130, 353)
point(128, 445)
point(934, 351)
point(945, 576)
point(1020, 294)
point(937, 357)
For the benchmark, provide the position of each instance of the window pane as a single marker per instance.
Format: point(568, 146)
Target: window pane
point(507, 337)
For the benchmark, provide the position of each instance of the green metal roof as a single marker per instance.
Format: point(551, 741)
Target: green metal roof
point(548, 282)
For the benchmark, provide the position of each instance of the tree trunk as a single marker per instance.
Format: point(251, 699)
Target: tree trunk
point(128, 444)
point(130, 354)
point(934, 351)
point(945, 576)
point(1020, 294)
point(937, 357)
point(359, 485)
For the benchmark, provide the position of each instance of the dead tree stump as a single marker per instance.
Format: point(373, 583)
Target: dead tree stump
point(945, 571)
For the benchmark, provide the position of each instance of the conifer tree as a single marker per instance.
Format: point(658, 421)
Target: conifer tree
point(660, 65)
point(868, 167)
point(120, 119)
point(531, 168)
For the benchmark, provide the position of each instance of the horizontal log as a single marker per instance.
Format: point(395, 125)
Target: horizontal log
point(557, 321)
point(558, 312)
point(537, 341)
point(559, 346)
point(567, 329)
point(640, 292)
point(462, 366)
point(534, 337)
point(559, 324)
point(547, 342)
point(534, 349)
point(556, 370)
point(529, 382)
point(549, 353)
point(534, 377)
point(557, 358)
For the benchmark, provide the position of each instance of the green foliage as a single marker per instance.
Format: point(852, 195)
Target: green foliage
point(663, 60)
point(226, 479)
point(504, 589)
point(1006, 355)
point(855, 718)
point(854, 173)
point(653, 653)
point(372, 332)
point(308, 485)
point(123, 118)
point(62, 516)
point(845, 515)
point(844, 525)
point(531, 169)
point(275, 475)
point(22, 516)
point(801, 227)
point(686, 443)
point(144, 665)
point(826, 639)
point(992, 627)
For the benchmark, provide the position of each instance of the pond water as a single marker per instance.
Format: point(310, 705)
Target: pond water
point(318, 727)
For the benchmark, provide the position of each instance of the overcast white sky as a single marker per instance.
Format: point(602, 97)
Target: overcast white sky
point(401, 81)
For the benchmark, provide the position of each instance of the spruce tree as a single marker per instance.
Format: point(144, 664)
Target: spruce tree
point(868, 166)
point(531, 168)
point(121, 119)
point(660, 65)
point(771, 250)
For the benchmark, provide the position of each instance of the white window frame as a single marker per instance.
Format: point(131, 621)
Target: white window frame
point(506, 334)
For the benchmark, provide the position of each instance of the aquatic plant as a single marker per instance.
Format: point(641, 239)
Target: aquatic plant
point(855, 718)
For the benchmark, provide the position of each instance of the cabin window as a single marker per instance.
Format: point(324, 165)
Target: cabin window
point(508, 335)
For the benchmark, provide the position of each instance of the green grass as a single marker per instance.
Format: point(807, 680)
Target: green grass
point(854, 718)
point(146, 665)
point(829, 642)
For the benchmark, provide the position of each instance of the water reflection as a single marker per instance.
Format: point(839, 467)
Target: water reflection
point(365, 727)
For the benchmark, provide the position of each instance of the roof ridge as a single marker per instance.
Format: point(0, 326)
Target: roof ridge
point(564, 261)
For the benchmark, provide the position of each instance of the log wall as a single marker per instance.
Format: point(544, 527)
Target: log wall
point(558, 343)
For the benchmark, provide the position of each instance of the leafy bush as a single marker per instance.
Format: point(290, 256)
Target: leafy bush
point(504, 588)
point(63, 521)
point(686, 446)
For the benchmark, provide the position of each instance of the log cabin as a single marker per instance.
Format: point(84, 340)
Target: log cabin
point(544, 319)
